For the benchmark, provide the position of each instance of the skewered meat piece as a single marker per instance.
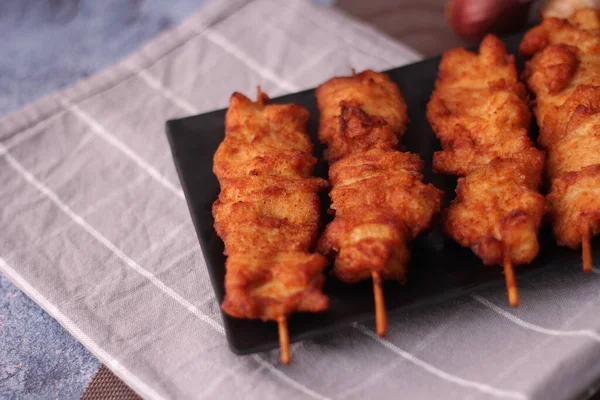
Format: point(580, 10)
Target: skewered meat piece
point(564, 75)
point(479, 112)
point(268, 211)
point(378, 197)
point(370, 92)
point(497, 209)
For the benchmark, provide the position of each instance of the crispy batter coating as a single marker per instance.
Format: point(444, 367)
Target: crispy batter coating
point(368, 239)
point(270, 285)
point(479, 109)
point(391, 179)
point(359, 132)
point(268, 211)
point(575, 200)
point(379, 201)
point(498, 209)
point(264, 140)
point(564, 74)
point(373, 93)
point(479, 112)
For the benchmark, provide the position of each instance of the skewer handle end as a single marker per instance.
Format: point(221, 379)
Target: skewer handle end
point(511, 283)
point(513, 297)
point(284, 341)
point(380, 313)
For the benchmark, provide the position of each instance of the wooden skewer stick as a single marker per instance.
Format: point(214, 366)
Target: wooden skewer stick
point(511, 283)
point(284, 340)
point(586, 249)
point(380, 314)
point(259, 95)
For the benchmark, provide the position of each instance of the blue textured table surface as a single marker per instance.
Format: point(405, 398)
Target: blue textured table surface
point(47, 45)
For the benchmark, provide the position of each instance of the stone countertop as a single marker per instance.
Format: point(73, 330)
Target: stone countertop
point(38, 357)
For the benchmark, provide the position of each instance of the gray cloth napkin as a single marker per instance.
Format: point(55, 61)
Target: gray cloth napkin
point(94, 227)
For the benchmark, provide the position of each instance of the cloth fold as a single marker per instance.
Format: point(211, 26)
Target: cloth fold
point(95, 229)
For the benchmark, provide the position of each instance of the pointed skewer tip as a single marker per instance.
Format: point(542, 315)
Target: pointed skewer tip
point(513, 297)
point(260, 96)
point(284, 341)
point(511, 283)
point(380, 313)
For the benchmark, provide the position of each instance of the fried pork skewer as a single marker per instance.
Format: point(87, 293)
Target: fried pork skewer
point(480, 114)
point(379, 201)
point(268, 213)
point(564, 75)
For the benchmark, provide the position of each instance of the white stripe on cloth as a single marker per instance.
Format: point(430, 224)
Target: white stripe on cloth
point(102, 239)
point(536, 328)
point(32, 131)
point(540, 346)
point(370, 380)
point(87, 211)
point(166, 92)
point(137, 268)
point(482, 387)
point(166, 238)
point(211, 387)
point(114, 365)
point(229, 47)
point(119, 145)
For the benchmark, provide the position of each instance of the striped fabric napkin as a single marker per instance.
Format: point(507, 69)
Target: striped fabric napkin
point(96, 230)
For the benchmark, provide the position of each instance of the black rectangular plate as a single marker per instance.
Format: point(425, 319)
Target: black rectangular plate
point(439, 268)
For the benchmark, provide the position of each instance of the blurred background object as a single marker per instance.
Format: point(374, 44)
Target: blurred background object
point(474, 19)
point(420, 24)
point(564, 8)
point(432, 26)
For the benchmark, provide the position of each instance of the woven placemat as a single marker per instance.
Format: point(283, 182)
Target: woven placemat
point(106, 386)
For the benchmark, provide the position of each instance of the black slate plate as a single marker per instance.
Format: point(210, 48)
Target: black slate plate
point(439, 268)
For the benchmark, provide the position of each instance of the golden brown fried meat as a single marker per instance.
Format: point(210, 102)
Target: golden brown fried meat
point(268, 211)
point(369, 239)
point(575, 201)
point(373, 93)
point(264, 140)
point(564, 75)
point(480, 114)
point(378, 198)
point(391, 179)
point(359, 132)
point(273, 284)
point(464, 109)
point(498, 209)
